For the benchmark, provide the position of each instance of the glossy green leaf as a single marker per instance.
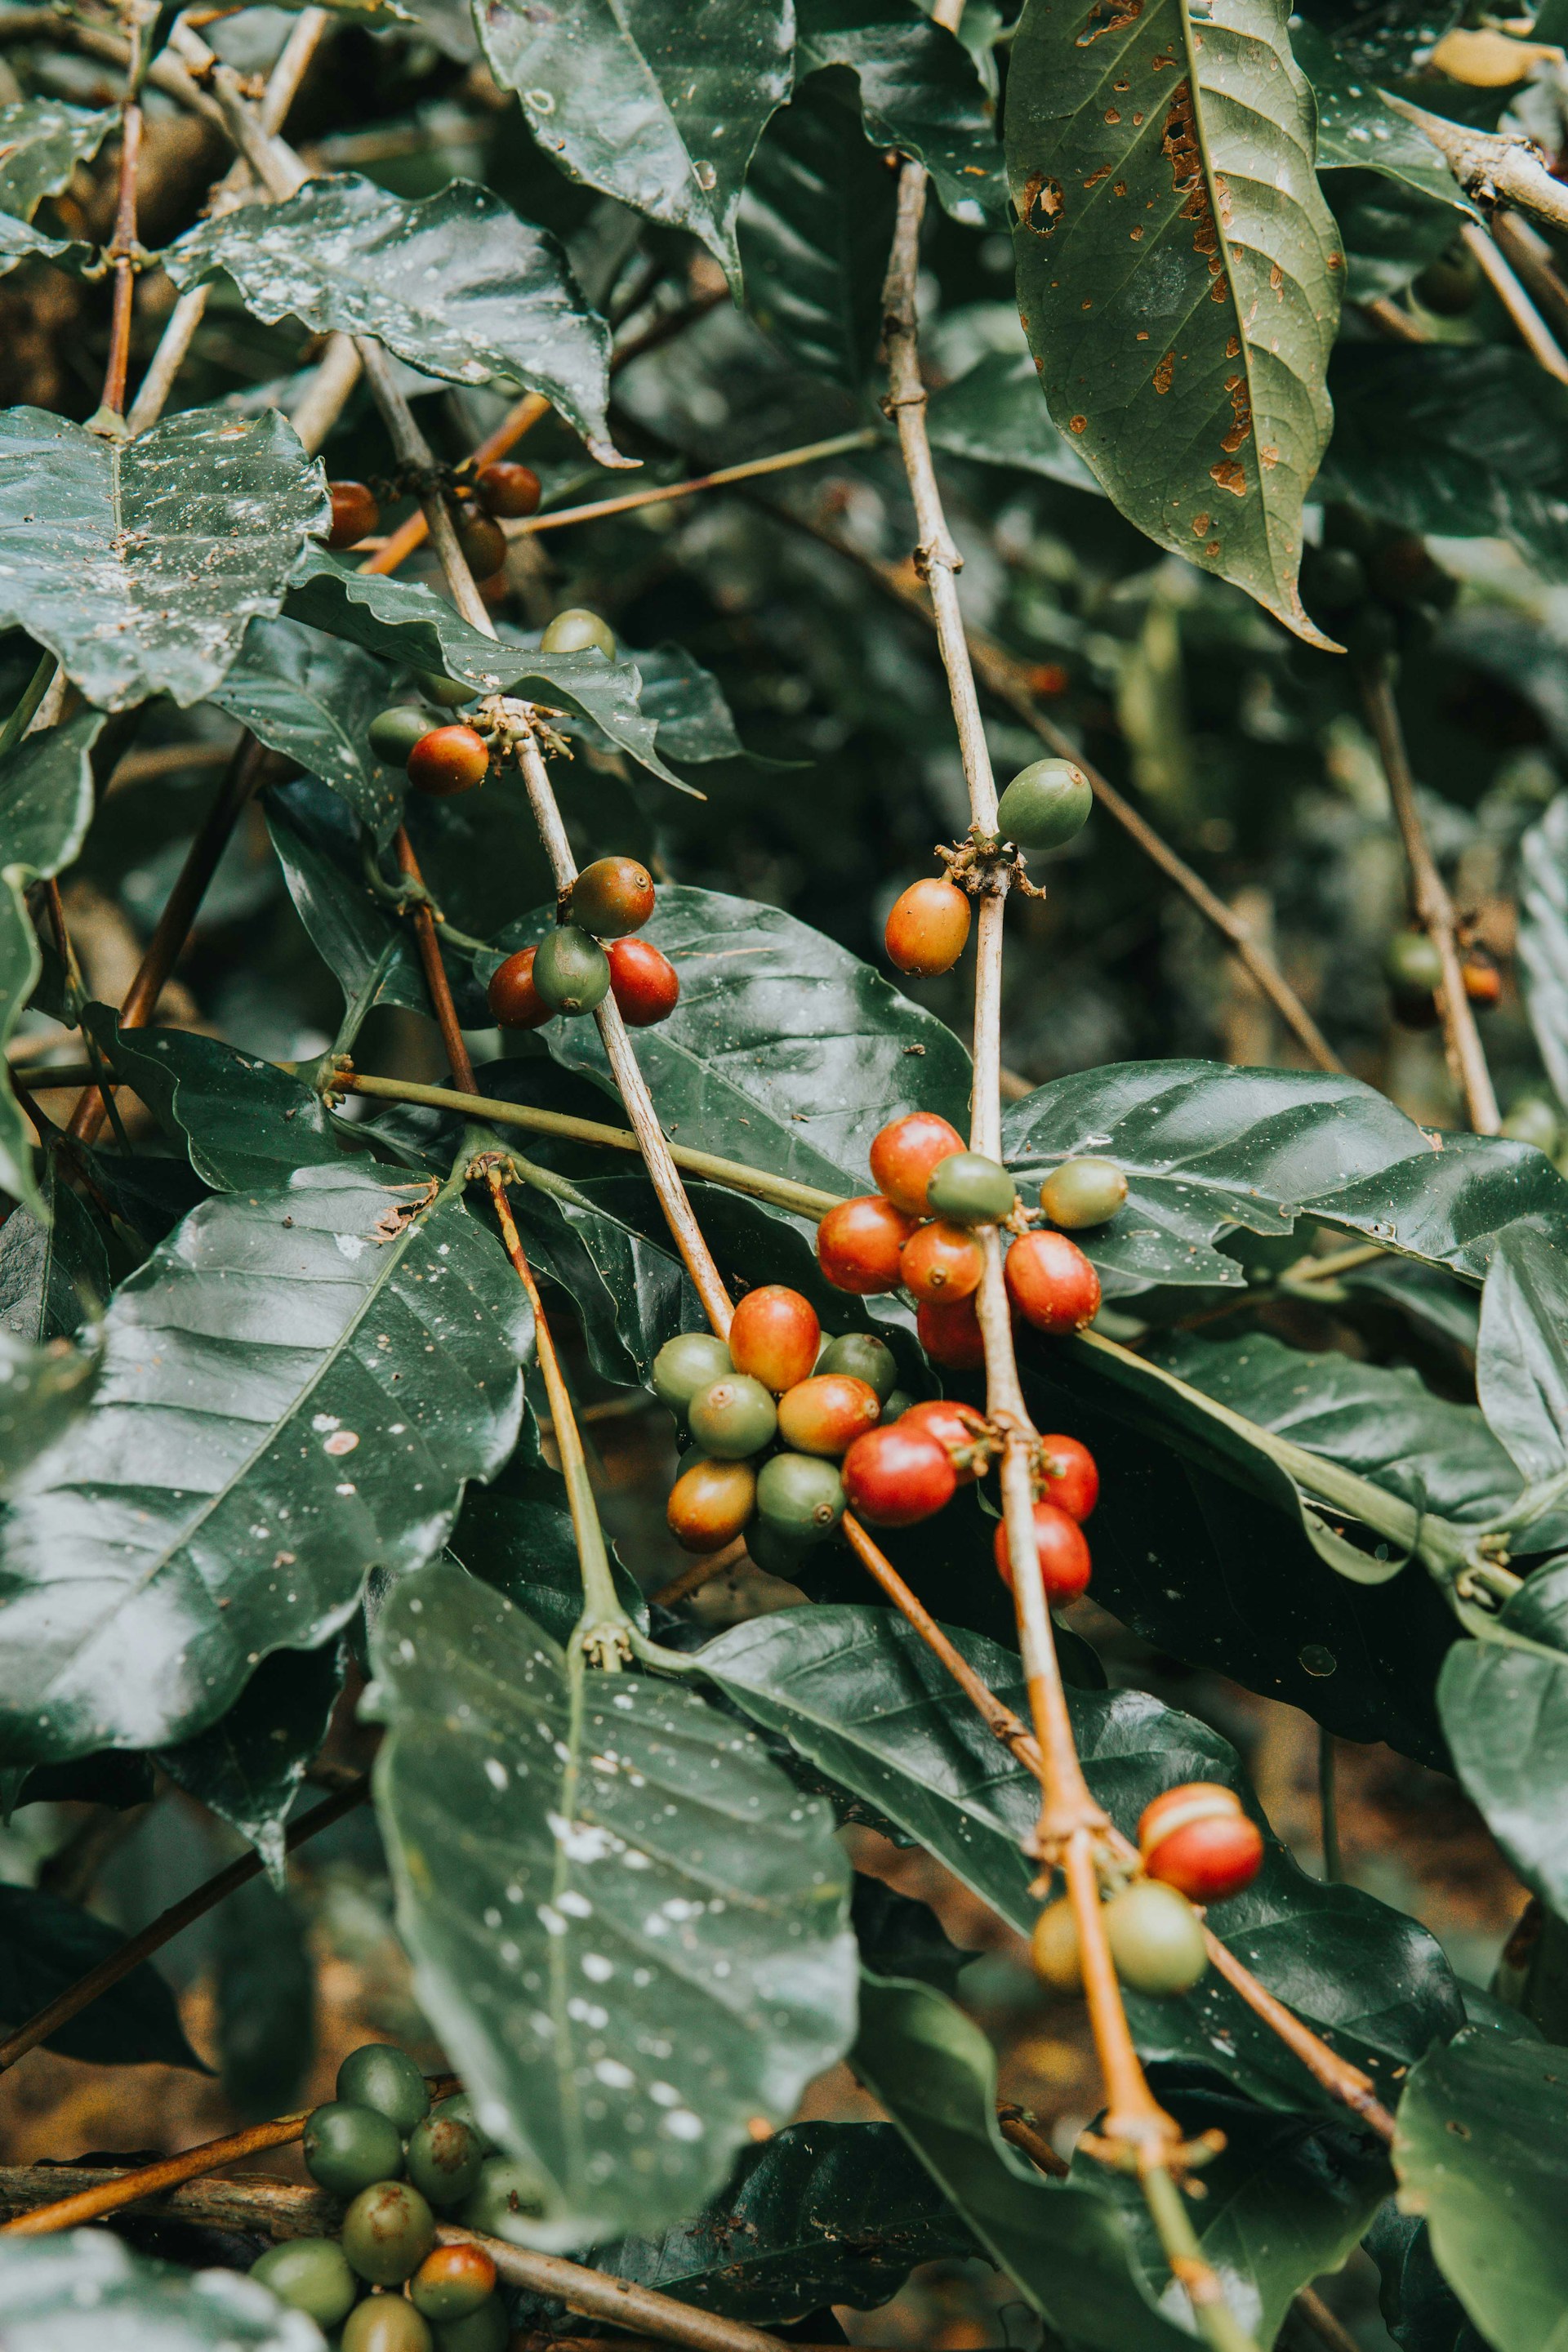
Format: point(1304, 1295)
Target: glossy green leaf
point(994, 413)
point(1435, 1302)
point(627, 1928)
point(455, 285)
point(296, 1386)
point(898, 1937)
point(42, 141)
point(1359, 131)
point(86, 2291)
point(1522, 1361)
point(249, 1766)
point(624, 1278)
point(53, 1270)
point(814, 226)
point(1543, 938)
point(648, 102)
point(245, 1123)
point(687, 704)
point(1505, 1712)
point(312, 698)
point(19, 241)
point(919, 93)
point(1482, 2149)
point(515, 1534)
point(1420, 2309)
point(1389, 231)
point(46, 1945)
point(140, 563)
point(265, 1989)
point(42, 1389)
point(1179, 272)
point(358, 937)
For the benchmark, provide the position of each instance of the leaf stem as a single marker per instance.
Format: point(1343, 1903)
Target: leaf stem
point(356, 1013)
point(123, 245)
point(1220, 2327)
point(26, 710)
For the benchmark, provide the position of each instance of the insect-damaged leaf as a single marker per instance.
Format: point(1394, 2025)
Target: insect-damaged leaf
point(1178, 270)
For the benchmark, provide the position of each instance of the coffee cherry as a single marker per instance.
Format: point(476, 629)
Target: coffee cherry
point(436, 686)
point(387, 2232)
point(895, 1476)
point(1483, 981)
point(448, 760)
point(1198, 1840)
point(1054, 1949)
point(1071, 1476)
point(569, 971)
point(733, 1418)
point(1157, 1938)
point(393, 733)
point(1063, 1553)
point(1045, 805)
point(384, 2323)
point(1051, 1283)
point(645, 984)
point(1083, 1192)
point(774, 1336)
point(612, 897)
point(507, 489)
point(578, 631)
point(1412, 962)
point(948, 1330)
point(510, 2191)
point(905, 1151)
point(708, 1504)
point(781, 1551)
point(451, 2281)
point(1449, 286)
point(483, 543)
point(513, 1000)
point(309, 2275)
point(957, 1427)
point(926, 928)
point(380, 2076)
point(864, 1358)
point(356, 514)
point(801, 1497)
point(685, 1365)
point(857, 1245)
point(942, 1261)
point(485, 2330)
point(442, 2160)
point(347, 2148)
point(459, 2107)
point(827, 1414)
point(895, 1404)
point(971, 1189)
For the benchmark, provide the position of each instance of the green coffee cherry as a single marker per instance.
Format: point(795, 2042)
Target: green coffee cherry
point(384, 2323)
point(800, 1495)
point(571, 970)
point(449, 692)
point(387, 2232)
point(898, 1402)
point(577, 631)
point(778, 1551)
point(1083, 1192)
point(485, 2330)
point(509, 2192)
point(1413, 962)
point(1156, 1938)
point(393, 733)
point(347, 2147)
point(1045, 805)
point(864, 1358)
point(1450, 285)
point(735, 1417)
point(380, 2076)
point(460, 2108)
point(685, 1365)
point(443, 2159)
point(312, 2275)
point(972, 1190)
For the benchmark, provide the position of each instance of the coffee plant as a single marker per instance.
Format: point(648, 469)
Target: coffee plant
point(529, 883)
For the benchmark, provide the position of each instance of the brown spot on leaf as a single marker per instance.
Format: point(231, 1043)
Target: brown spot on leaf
point(1078, 424)
point(1164, 372)
point(1103, 174)
point(1143, 335)
point(1233, 347)
point(1134, 233)
point(1241, 414)
point(1276, 280)
point(1108, 17)
point(1179, 145)
point(1114, 114)
point(1213, 547)
point(1336, 261)
point(1120, 189)
point(1040, 204)
point(1200, 524)
point(1230, 478)
point(1269, 457)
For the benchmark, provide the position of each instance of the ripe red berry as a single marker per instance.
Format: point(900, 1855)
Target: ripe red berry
point(1483, 980)
point(710, 1504)
point(1198, 1840)
point(644, 983)
point(903, 1154)
point(1063, 1551)
point(956, 1426)
point(356, 514)
point(942, 1261)
point(1051, 1283)
point(508, 489)
point(514, 1001)
point(775, 1337)
point(1071, 1476)
point(612, 897)
point(483, 542)
point(825, 1416)
point(857, 1245)
point(928, 927)
point(894, 1476)
point(949, 1331)
point(448, 760)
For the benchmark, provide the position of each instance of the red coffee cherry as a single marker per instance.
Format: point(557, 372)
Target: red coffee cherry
point(483, 542)
point(903, 1154)
point(452, 2282)
point(514, 1001)
point(928, 927)
point(1198, 1840)
point(949, 1331)
point(1051, 1283)
point(857, 1245)
point(1483, 980)
point(956, 1426)
point(356, 514)
point(612, 897)
point(710, 1504)
point(775, 1337)
point(894, 1476)
point(1071, 1476)
point(507, 489)
point(942, 1261)
point(644, 983)
point(1063, 1553)
point(448, 760)
point(826, 1414)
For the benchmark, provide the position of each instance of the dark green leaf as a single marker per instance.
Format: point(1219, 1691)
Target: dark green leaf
point(1420, 2309)
point(352, 931)
point(54, 1273)
point(1522, 1361)
point(1505, 1712)
point(42, 1389)
point(455, 285)
point(687, 705)
point(814, 226)
point(85, 2291)
point(1186, 354)
point(1434, 1302)
point(247, 1124)
point(42, 141)
point(266, 1990)
point(1543, 936)
point(249, 1767)
point(631, 1290)
point(21, 242)
point(45, 1946)
point(312, 698)
point(516, 1535)
point(898, 1937)
point(994, 413)
point(1390, 232)
point(647, 102)
point(626, 1924)
point(139, 563)
point(919, 92)
point(295, 1388)
point(1359, 131)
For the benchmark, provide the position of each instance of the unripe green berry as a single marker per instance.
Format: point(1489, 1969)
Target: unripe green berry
point(447, 691)
point(971, 1189)
point(1083, 1192)
point(442, 2160)
point(685, 1365)
point(800, 1494)
point(1045, 805)
point(576, 631)
point(1413, 961)
point(380, 2076)
point(571, 971)
point(509, 2200)
point(485, 2330)
point(309, 2275)
point(735, 1417)
point(393, 733)
point(384, 2323)
point(1157, 1938)
point(777, 1550)
point(864, 1358)
point(347, 2147)
point(896, 1403)
point(387, 2232)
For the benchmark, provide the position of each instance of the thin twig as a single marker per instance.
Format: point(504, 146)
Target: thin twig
point(1534, 333)
point(1018, 2128)
point(781, 462)
point(1313, 2311)
point(1494, 169)
point(518, 420)
point(1531, 258)
point(122, 246)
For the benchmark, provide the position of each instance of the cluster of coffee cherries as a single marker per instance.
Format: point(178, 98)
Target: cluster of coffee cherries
point(1196, 1846)
point(444, 759)
point(397, 2161)
point(1374, 588)
point(590, 955)
point(500, 492)
point(1413, 965)
point(1043, 806)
